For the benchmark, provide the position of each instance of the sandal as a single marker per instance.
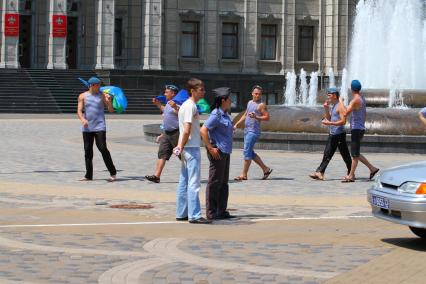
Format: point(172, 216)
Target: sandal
point(240, 178)
point(266, 174)
point(316, 176)
point(345, 180)
point(372, 174)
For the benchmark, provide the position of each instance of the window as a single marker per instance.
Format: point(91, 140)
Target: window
point(118, 36)
point(306, 43)
point(189, 43)
point(268, 42)
point(229, 41)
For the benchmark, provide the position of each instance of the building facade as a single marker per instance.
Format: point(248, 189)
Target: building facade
point(213, 36)
point(250, 39)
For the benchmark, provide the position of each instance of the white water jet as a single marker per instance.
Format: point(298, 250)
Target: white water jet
point(313, 89)
point(290, 89)
point(303, 87)
point(344, 87)
point(331, 79)
point(388, 45)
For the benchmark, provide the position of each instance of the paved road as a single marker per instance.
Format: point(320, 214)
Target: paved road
point(290, 229)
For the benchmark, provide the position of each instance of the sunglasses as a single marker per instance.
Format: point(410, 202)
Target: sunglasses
point(171, 87)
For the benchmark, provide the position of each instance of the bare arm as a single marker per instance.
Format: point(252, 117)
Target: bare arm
point(422, 118)
point(243, 117)
point(353, 105)
point(264, 113)
point(80, 106)
point(185, 135)
point(158, 104)
point(341, 121)
point(326, 106)
point(107, 102)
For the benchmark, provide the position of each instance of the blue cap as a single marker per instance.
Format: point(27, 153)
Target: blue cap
point(94, 80)
point(332, 90)
point(356, 85)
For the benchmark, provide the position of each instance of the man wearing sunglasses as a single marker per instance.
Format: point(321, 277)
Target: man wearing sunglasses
point(170, 138)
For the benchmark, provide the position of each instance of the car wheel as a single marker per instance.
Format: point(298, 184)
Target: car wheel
point(420, 232)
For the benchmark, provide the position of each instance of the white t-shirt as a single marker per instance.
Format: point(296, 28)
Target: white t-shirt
point(188, 113)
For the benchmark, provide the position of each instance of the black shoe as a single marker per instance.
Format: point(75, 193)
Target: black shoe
point(153, 178)
point(226, 215)
point(200, 221)
point(182, 219)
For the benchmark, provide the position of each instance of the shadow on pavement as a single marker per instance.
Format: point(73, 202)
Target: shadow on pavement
point(414, 243)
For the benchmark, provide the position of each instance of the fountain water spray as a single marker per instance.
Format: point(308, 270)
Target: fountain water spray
point(303, 87)
point(388, 45)
point(344, 87)
point(331, 79)
point(313, 89)
point(290, 89)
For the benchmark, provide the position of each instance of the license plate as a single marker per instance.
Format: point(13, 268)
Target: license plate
point(380, 201)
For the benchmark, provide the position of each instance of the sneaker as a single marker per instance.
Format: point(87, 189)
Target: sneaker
point(181, 218)
point(200, 220)
point(112, 178)
point(153, 178)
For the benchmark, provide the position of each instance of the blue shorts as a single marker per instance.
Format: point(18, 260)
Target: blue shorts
point(250, 139)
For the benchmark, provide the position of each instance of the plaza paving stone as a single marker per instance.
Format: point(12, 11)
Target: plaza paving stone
point(289, 229)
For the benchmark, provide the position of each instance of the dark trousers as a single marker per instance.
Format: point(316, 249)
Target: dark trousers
point(100, 138)
point(217, 190)
point(334, 142)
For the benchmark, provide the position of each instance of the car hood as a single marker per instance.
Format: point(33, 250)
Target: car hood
point(410, 172)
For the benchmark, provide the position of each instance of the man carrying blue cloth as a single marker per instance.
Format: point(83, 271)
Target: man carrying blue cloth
point(93, 103)
point(170, 138)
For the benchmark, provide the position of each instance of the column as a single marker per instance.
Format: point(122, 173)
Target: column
point(250, 37)
point(152, 30)
point(9, 57)
point(288, 36)
point(105, 19)
point(212, 38)
point(283, 42)
point(57, 54)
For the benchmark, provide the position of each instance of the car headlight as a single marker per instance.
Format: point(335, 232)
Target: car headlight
point(377, 182)
point(412, 187)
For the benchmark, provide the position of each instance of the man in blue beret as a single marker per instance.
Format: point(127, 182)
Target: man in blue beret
point(170, 138)
point(93, 123)
point(336, 120)
point(358, 110)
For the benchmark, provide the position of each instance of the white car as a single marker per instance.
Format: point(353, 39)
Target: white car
point(399, 195)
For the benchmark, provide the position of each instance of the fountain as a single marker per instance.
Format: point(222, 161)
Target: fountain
point(388, 56)
point(388, 48)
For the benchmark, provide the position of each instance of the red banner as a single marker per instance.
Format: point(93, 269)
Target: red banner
point(11, 26)
point(59, 25)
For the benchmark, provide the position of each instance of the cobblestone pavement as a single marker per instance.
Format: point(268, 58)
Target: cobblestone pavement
point(290, 229)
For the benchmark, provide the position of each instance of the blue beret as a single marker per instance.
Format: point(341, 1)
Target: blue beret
point(356, 85)
point(94, 80)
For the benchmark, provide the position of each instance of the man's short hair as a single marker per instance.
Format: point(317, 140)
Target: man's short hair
point(257, 87)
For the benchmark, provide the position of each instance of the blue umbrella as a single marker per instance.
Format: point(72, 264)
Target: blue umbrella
point(117, 93)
